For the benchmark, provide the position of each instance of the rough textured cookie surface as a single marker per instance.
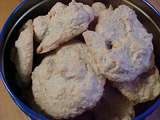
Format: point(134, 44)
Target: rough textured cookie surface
point(41, 24)
point(121, 45)
point(58, 7)
point(66, 24)
point(143, 89)
point(98, 7)
point(64, 84)
point(24, 54)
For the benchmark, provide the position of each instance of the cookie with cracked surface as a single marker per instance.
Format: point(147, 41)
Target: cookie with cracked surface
point(41, 23)
point(145, 88)
point(64, 84)
point(24, 53)
point(98, 7)
point(68, 23)
point(121, 45)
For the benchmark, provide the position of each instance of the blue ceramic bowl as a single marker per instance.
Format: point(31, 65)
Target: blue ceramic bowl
point(29, 9)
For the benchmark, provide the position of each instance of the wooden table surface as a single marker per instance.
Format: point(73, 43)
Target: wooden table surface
point(8, 109)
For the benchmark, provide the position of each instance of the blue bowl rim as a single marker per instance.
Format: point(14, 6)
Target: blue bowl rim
point(28, 111)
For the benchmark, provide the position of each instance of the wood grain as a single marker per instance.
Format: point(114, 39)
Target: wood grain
point(8, 109)
point(6, 6)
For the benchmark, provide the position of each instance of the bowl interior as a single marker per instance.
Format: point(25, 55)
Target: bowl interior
point(41, 9)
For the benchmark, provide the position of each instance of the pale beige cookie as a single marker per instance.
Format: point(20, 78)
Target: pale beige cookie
point(58, 7)
point(98, 7)
point(64, 84)
point(114, 106)
point(103, 18)
point(143, 89)
point(41, 23)
point(121, 22)
point(121, 46)
point(24, 55)
point(68, 23)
